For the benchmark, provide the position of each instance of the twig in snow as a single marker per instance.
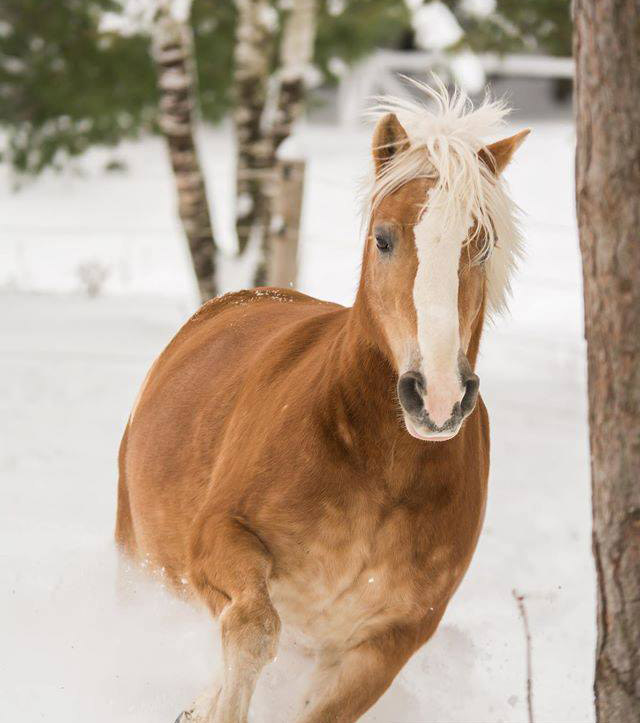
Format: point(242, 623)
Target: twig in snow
point(525, 622)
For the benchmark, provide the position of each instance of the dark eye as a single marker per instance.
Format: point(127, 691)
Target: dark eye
point(383, 242)
point(483, 256)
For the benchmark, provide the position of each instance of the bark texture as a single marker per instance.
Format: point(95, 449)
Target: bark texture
point(175, 63)
point(284, 232)
point(259, 136)
point(296, 55)
point(282, 218)
point(253, 53)
point(607, 52)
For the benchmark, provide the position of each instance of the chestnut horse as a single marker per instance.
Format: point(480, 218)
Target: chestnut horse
point(294, 462)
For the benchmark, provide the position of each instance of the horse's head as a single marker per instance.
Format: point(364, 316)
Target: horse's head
point(442, 241)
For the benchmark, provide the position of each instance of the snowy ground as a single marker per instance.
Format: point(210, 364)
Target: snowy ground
point(71, 365)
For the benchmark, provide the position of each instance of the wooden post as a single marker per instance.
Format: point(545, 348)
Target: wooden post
point(285, 224)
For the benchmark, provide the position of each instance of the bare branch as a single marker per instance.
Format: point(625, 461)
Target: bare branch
point(525, 622)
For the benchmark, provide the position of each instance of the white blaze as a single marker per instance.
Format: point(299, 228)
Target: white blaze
point(435, 295)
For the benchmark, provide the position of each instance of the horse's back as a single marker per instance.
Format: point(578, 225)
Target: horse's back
point(177, 425)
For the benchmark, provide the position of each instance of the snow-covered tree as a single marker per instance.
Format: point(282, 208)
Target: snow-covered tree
point(463, 28)
point(66, 85)
point(509, 26)
point(65, 74)
point(348, 30)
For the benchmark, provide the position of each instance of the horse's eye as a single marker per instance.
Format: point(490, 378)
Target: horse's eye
point(382, 242)
point(482, 257)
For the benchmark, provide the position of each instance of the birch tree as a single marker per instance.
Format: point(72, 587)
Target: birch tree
point(172, 44)
point(278, 259)
point(259, 132)
point(296, 55)
point(607, 53)
point(253, 52)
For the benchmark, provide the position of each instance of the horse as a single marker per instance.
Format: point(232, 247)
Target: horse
point(293, 462)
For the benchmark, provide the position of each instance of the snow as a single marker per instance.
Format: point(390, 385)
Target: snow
point(137, 16)
point(435, 26)
point(244, 205)
point(77, 648)
point(293, 148)
point(268, 16)
point(337, 66)
point(467, 71)
point(478, 8)
point(335, 7)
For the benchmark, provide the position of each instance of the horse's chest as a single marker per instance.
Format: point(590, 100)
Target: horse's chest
point(361, 577)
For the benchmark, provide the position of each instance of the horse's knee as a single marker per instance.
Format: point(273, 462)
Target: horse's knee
point(251, 630)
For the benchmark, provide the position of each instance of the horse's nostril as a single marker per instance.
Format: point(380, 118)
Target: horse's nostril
point(412, 391)
point(471, 386)
point(411, 387)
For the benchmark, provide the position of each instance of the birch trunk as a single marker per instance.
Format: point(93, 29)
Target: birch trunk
point(253, 50)
point(283, 224)
point(296, 55)
point(175, 64)
point(607, 52)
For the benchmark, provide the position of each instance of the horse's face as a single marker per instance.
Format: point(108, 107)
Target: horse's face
point(427, 296)
point(425, 285)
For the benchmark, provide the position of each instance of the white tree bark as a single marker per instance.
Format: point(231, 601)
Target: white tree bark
point(278, 260)
point(173, 54)
point(253, 51)
point(296, 56)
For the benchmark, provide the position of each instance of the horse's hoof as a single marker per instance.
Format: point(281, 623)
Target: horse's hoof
point(201, 711)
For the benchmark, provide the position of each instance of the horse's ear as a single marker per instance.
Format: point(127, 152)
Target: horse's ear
point(498, 155)
point(389, 138)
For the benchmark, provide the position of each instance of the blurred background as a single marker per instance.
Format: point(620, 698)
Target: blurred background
point(154, 153)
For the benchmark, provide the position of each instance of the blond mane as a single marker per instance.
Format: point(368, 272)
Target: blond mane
point(444, 140)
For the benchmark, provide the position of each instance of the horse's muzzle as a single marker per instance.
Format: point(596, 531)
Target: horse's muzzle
point(413, 390)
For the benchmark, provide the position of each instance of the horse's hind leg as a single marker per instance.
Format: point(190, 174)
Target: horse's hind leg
point(229, 568)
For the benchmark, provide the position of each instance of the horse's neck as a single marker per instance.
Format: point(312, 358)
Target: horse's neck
point(356, 392)
point(358, 382)
point(357, 410)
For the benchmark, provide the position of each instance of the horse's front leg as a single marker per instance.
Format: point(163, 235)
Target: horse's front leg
point(229, 568)
point(347, 684)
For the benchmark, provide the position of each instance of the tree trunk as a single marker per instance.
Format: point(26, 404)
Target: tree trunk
point(283, 221)
point(253, 50)
point(175, 63)
point(285, 224)
point(607, 52)
point(296, 55)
